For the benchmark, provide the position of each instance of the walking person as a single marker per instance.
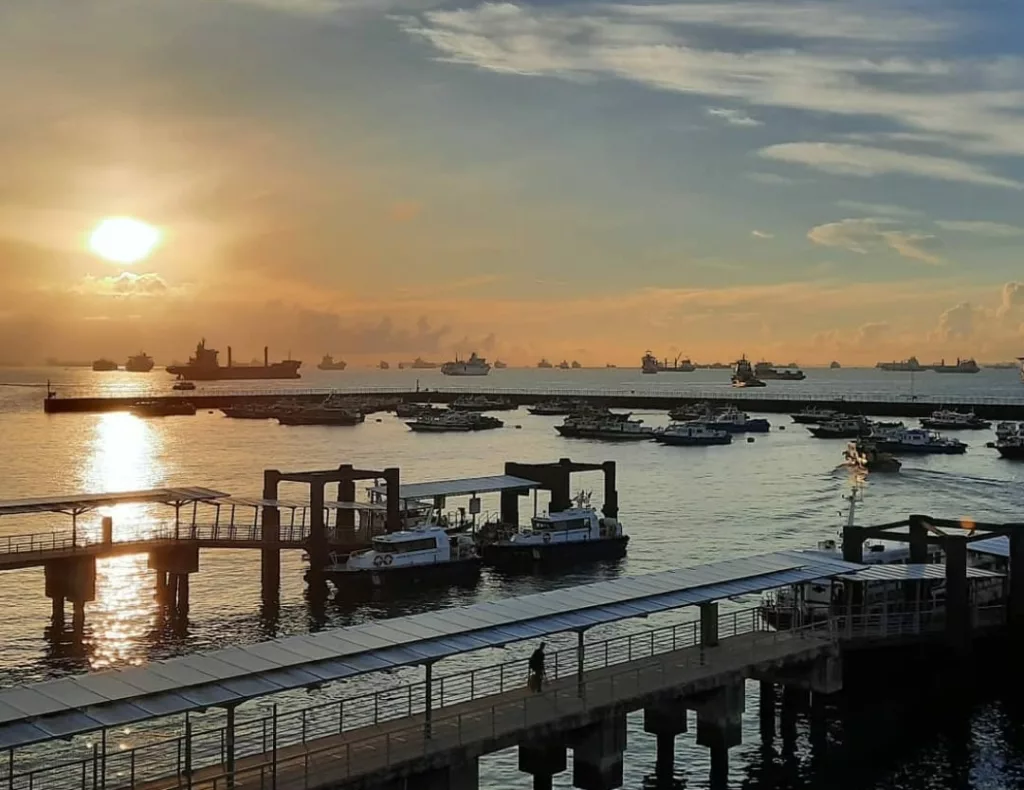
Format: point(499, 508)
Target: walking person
point(536, 681)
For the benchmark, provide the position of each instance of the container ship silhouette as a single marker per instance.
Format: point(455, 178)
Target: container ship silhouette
point(205, 367)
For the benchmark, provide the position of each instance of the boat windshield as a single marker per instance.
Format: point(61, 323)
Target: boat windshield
point(549, 525)
point(403, 546)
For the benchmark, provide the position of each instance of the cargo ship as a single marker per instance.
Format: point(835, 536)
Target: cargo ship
point(139, 363)
point(204, 366)
point(330, 363)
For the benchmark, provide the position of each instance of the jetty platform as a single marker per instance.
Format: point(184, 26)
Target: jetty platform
point(785, 398)
point(238, 718)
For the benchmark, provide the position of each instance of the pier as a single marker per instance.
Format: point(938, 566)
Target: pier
point(432, 732)
point(784, 399)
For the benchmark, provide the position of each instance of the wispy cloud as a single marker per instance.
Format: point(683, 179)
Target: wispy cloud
point(864, 236)
point(879, 209)
point(761, 234)
point(772, 179)
point(992, 230)
point(733, 117)
point(864, 162)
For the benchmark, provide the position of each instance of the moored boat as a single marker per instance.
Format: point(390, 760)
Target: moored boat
point(555, 408)
point(454, 422)
point(1012, 447)
point(481, 403)
point(949, 420)
point(845, 428)
point(414, 557)
point(733, 420)
point(321, 415)
point(691, 435)
point(812, 415)
point(575, 535)
point(917, 441)
point(183, 386)
point(604, 428)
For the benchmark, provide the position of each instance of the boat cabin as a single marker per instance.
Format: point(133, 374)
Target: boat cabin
point(576, 524)
point(420, 546)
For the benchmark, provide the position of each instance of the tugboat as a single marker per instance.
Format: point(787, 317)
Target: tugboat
point(482, 403)
point(454, 422)
point(570, 536)
point(846, 428)
point(139, 363)
point(172, 407)
point(834, 365)
point(474, 366)
point(691, 435)
point(947, 420)
point(422, 555)
point(919, 441)
point(104, 365)
point(813, 415)
point(864, 454)
point(330, 363)
point(743, 375)
point(604, 428)
point(765, 370)
point(1012, 447)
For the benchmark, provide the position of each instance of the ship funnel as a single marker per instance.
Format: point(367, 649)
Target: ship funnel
point(229, 356)
point(266, 356)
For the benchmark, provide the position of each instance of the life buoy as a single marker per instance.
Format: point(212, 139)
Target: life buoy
point(547, 537)
point(387, 559)
point(378, 560)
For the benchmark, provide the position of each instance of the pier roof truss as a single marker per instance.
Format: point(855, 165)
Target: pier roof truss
point(228, 677)
point(82, 503)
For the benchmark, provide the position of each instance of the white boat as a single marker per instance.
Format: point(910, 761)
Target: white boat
point(410, 557)
point(946, 419)
point(577, 534)
point(474, 366)
point(691, 435)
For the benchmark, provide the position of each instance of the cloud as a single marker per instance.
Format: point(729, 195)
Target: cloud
point(760, 234)
point(958, 323)
point(1012, 299)
point(864, 236)
point(871, 333)
point(992, 230)
point(124, 284)
point(772, 179)
point(732, 51)
point(879, 209)
point(733, 117)
point(864, 162)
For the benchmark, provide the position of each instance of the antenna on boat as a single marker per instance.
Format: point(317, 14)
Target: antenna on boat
point(856, 495)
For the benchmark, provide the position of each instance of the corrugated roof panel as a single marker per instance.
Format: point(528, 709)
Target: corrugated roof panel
point(462, 487)
point(181, 674)
point(164, 704)
point(69, 723)
point(332, 670)
point(244, 659)
point(30, 702)
point(71, 693)
point(204, 662)
point(107, 684)
point(367, 662)
point(143, 679)
point(117, 714)
point(278, 653)
point(338, 645)
point(293, 678)
point(21, 734)
point(7, 713)
point(251, 686)
point(209, 696)
point(313, 651)
point(998, 546)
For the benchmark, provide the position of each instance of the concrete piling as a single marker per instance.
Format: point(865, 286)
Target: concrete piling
point(598, 754)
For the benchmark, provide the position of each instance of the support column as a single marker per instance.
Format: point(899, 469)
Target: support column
point(1015, 615)
point(597, 755)
point(428, 705)
point(183, 589)
point(580, 655)
point(720, 727)
point(270, 554)
point(318, 548)
point(918, 539)
point(709, 624)
point(542, 759)
point(229, 746)
point(392, 479)
point(561, 493)
point(853, 544)
point(611, 493)
point(766, 710)
point(72, 579)
point(958, 614)
point(510, 500)
point(665, 720)
point(345, 520)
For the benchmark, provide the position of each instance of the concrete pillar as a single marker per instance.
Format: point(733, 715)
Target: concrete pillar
point(665, 721)
point(611, 493)
point(1016, 598)
point(72, 579)
point(172, 590)
point(561, 489)
point(958, 614)
point(853, 544)
point(78, 617)
point(720, 717)
point(270, 555)
point(826, 676)
point(542, 759)
point(918, 539)
point(463, 775)
point(766, 710)
point(597, 755)
point(182, 606)
point(317, 543)
point(709, 624)
point(270, 576)
point(346, 493)
point(392, 479)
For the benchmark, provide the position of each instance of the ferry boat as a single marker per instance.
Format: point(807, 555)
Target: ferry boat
point(139, 363)
point(610, 429)
point(961, 366)
point(104, 365)
point(330, 363)
point(918, 441)
point(568, 537)
point(864, 454)
point(203, 366)
point(321, 415)
point(425, 554)
point(766, 371)
point(650, 364)
point(691, 435)
point(948, 420)
point(906, 366)
point(843, 428)
point(555, 408)
point(482, 403)
point(813, 415)
point(743, 375)
point(499, 365)
point(544, 364)
point(474, 366)
point(454, 422)
point(172, 407)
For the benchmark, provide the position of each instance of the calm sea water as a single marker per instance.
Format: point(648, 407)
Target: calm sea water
point(681, 506)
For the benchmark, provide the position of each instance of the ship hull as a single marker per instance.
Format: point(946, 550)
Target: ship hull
point(692, 441)
point(942, 425)
point(454, 572)
point(509, 556)
point(604, 436)
point(465, 372)
point(933, 449)
point(1014, 453)
point(240, 373)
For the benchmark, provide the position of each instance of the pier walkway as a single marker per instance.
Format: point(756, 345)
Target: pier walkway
point(784, 398)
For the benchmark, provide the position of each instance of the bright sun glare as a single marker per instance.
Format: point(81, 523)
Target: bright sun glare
point(123, 240)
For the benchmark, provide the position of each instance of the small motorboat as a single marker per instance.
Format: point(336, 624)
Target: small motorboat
point(865, 455)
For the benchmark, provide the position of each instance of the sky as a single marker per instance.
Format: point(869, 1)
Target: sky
point(803, 180)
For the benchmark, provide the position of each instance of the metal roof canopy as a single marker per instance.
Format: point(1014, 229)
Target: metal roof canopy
point(997, 547)
point(237, 501)
point(82, 503)
point(70, 706)
point(354, 506)
point(912, 572)
point(468, 485)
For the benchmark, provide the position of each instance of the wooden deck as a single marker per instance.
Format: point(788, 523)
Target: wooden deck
point(499, 721)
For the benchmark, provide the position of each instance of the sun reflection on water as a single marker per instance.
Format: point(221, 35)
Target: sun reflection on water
point(123, 612)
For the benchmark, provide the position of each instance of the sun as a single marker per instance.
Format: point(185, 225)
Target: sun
point(124, 240)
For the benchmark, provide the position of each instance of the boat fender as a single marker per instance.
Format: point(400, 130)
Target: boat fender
point(387, 559)
point(547, 537)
